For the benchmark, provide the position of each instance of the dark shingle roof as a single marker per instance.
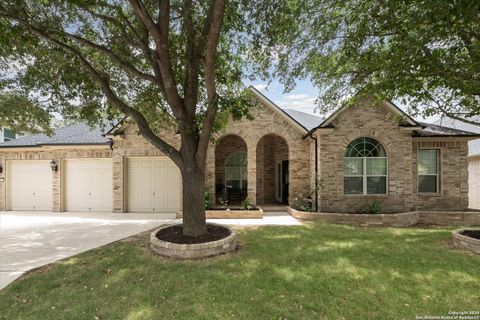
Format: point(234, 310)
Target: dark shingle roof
point(435, 130)
point(308, 121)
point(75, 134)
point(474, 145)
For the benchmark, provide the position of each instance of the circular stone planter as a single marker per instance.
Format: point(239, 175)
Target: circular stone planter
point(193, 251)
point(463, 241)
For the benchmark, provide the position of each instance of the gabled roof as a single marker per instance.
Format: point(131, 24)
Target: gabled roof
point(389, 105)
point(474, 145)
point(308, 121)
point(279, 110)
point(75, 134)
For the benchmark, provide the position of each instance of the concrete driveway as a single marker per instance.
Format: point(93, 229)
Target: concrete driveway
point(32, 239)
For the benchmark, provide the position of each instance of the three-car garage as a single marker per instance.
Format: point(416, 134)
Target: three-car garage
point(151, 184)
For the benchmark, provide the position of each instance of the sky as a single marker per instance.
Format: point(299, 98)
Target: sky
point(302, 98)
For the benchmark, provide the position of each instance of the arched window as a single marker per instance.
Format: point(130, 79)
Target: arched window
point(365, 167)
point(236, 172)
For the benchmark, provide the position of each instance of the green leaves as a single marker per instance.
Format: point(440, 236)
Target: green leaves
point(424, 53)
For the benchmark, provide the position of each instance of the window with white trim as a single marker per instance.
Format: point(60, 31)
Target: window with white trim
point(427, 170)
point(365, 167)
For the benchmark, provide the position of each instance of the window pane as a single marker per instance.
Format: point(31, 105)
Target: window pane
point(376, 167)
point(427, 162)
point(353, 185)
point(353, 167)
point(427, 184)
point(376, 185)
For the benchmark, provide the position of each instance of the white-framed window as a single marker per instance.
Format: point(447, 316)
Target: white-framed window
point(365, 167)
point(428, 170)
point(236, 172)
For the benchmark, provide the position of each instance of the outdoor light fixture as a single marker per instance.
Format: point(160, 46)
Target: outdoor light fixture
point(1, 169)
point(54, 165)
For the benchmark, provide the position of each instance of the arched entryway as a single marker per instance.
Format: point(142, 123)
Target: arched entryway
point(231, 176)
point(272, 170)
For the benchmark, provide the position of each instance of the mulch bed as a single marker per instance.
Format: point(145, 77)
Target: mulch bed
point(174, 234)
point(471, 233)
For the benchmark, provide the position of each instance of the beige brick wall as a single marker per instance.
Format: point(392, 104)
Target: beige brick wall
point(379, 123)
point(59, 154)
point(265, 123)
point(453, 160)
point(474, 182)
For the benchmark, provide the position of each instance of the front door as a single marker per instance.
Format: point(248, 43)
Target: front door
point(281, 184)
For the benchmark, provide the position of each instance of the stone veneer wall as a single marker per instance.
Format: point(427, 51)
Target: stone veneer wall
point(59, 154)
point(474, 182)
point(377, 122)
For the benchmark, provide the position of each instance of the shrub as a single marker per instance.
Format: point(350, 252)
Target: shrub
point(208, 199)
point(302, 203)
point(247, 204)
point(374, 207)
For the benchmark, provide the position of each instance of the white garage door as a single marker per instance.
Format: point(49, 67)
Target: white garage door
point(88, 185)
point(154, 185)
point(29, 185)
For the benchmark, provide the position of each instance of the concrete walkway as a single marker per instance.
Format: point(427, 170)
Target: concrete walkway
point(32, 239)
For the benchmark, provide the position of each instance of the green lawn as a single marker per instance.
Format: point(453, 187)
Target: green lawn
point(316, 271)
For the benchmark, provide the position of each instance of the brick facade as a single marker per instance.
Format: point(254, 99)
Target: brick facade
point(267, 127)
point(271, 137)
point(377, 122)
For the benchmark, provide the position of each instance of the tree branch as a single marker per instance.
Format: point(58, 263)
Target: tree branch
point(160, 37)
point(103, 82)
point(214, 28)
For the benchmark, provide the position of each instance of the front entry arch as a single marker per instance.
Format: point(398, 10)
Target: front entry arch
point(272, 170)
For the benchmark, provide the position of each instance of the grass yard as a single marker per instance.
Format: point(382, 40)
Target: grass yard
point(317, 271)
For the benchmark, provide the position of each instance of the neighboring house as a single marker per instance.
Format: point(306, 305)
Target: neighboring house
point(7, 135)
point(358, 154)
point(473, 157)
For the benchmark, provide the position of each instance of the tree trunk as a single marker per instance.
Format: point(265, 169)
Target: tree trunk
point(194, 223)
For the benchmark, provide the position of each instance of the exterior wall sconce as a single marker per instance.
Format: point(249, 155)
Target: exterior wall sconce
point(1, 169)
point(54, 165)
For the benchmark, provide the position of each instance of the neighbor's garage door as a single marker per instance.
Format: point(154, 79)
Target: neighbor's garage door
point(154, 185)
point(88, 185)
point(29, 185)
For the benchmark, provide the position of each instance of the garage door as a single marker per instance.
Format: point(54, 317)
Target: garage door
point(154, 185)
point(88, 185)
point(29, 185)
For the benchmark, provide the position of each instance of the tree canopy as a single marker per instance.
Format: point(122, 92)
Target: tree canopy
point(425, 54)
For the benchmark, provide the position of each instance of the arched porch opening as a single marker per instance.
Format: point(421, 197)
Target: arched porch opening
point(231, 175)
point(272, 170)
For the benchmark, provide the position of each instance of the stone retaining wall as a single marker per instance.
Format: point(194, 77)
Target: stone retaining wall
point(383, 220)
point(463, 242)
point(230, 214)
point(405, 219)
point(192, 251)
point(464, 218)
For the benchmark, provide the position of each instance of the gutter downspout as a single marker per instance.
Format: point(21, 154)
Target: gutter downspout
point(316, 170)
point(310, 135)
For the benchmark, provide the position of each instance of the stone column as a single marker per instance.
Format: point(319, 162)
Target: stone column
point(210, 171)
point(57, 192)
point(118, 167)
point(3, 181)
point(252, 171)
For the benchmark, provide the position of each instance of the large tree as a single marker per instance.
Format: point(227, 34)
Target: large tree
point(423, 53)
point(167, 65)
